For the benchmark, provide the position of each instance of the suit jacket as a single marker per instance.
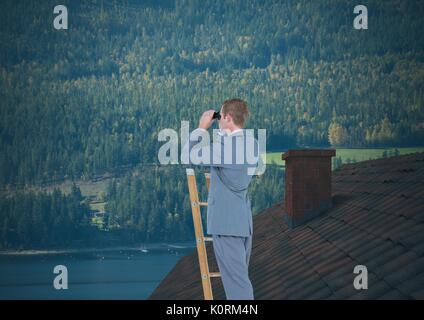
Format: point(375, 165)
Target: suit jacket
point(229, 208)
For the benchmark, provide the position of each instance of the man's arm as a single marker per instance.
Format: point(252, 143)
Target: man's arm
point(218, 153)
point(211, 153)
point(204, 152)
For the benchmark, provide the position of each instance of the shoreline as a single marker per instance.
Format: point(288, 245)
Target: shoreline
point(151, 246)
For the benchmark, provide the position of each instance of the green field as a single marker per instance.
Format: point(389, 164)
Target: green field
point(354, 155)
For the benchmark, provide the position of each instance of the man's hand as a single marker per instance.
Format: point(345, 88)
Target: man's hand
point(206, 119)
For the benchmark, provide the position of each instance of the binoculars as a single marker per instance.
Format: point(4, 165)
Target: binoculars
point(216, 115)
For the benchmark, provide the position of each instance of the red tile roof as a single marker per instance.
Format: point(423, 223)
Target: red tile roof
point(376, 220)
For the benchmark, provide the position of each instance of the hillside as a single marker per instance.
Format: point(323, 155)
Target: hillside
point(83, 101)
point(89, 101)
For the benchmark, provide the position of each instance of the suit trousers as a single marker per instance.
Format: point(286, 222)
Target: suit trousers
point(232, 254)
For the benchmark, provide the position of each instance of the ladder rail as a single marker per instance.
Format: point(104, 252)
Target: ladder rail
point(206, 275)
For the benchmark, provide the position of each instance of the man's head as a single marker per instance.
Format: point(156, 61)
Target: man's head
point(234, 114)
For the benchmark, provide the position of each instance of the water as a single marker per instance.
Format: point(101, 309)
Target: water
point(106, 274)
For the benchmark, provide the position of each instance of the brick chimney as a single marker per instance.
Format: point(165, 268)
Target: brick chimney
point(307, 184)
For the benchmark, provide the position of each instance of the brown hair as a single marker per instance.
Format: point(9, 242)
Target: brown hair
point(238, 110)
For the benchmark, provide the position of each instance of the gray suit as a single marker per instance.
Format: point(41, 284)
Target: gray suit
point(229, 214)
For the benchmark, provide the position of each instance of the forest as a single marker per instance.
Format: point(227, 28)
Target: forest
point(85, 101)
point(149, 206)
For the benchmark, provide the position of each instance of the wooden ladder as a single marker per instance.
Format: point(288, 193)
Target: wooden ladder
point(206, 275)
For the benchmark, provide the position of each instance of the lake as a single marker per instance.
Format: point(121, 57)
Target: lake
point(92, 274)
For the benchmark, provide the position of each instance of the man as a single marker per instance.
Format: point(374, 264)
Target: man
point(229, 215)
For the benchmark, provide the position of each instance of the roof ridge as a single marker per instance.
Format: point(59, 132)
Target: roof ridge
point(401, 157)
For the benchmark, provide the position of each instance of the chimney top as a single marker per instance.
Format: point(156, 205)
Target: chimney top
point(309, 153)
point(307, 184)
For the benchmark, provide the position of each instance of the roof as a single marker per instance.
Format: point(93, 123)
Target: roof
point(376, 220)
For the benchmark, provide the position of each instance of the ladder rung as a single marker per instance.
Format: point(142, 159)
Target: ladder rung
point(205, 204)
point(207, 238)
point(214, 274)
